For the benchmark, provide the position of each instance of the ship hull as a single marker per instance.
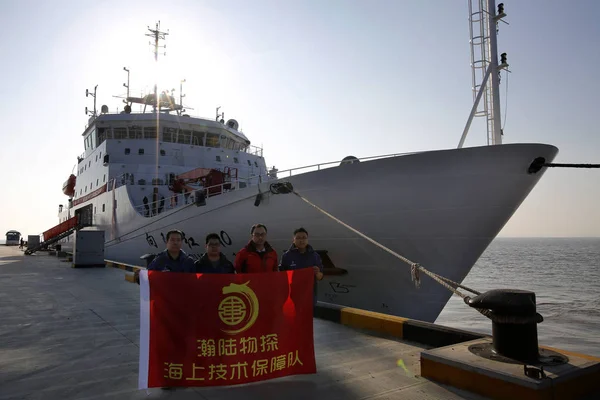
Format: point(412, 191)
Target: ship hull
point(440, 209)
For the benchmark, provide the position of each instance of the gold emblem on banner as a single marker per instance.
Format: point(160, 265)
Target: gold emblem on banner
point(239, 310)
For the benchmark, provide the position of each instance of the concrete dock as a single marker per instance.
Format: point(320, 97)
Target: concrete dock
point(73, 334)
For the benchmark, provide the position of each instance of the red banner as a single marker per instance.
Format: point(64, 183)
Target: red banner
point(224, 329)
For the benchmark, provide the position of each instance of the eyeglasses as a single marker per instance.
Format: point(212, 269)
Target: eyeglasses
point(259, 234)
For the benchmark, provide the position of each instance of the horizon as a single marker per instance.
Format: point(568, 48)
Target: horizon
point(347, 77)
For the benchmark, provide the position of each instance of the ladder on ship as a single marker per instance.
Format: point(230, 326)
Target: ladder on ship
point(56, 233)
point(485, 68)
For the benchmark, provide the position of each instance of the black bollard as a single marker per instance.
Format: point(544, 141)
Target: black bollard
point(514, 322)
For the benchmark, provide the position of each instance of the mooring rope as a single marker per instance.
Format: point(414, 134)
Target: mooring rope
point(540, 162)
point(416, 268)
point(571, 165)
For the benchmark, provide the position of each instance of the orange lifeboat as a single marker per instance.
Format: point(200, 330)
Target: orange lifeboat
point(69, 186)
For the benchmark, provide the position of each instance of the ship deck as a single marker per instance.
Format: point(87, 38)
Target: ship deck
point(73, 334)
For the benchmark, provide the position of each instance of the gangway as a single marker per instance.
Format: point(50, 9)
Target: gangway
point(56, 233)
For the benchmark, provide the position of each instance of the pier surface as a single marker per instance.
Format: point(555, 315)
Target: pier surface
point(73, 334)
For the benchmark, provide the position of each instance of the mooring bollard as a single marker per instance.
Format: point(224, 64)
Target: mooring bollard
point(514, 322)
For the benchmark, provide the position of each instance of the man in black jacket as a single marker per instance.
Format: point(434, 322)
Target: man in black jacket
point(213, 261)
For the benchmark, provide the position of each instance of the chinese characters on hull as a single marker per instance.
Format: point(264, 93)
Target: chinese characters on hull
point(224, 238)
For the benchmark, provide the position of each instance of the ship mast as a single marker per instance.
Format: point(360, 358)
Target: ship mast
point(157, 35)
point(483, 19)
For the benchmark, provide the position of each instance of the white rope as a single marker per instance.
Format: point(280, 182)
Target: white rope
point(415, 268)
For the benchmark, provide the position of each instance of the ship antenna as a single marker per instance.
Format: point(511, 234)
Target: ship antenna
point(181, 95)
point(483, 20)
point(89, 93)
point(126, 84)
point(157, 35)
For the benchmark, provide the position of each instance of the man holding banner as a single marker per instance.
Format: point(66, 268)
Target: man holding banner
point(224, 329)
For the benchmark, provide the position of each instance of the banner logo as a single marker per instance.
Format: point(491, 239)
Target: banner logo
point(239, 310)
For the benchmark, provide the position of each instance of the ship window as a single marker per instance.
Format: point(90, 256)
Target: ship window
point(120, 133)
point(104, 179)
point(91, 185)
point(135, 132)
point(127, 150)
point(169, 135)
point(101, 136)
point(97, 182)
point(256, 164)
point(85, 167)
point(94, 210)
point(219, 158)
point(86, 188)
point(235, 160)
point(90, 163)
point(162, 153)
point(96, 157)
point(198, 138)
point(103, 208)
point(100, 155)
point(185, 136)
point(212, 140)
point(141, 151)
point(249, 163)
point(80, 192)
point(150, 132)
point(223, 141)
point(106, 158)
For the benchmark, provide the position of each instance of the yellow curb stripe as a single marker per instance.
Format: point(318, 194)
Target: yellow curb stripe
point(373, 321)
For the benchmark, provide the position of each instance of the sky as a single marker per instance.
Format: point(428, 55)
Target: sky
point(310, 82)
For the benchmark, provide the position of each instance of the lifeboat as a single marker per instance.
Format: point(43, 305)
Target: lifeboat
point(69, 186)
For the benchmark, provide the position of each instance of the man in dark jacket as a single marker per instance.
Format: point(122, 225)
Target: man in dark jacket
point(173, 258)
point(213, 261)
point(257, 255)
point(302, 255)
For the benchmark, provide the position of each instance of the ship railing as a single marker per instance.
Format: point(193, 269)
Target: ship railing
point(176, 200)
point(317, 167)
point(151, 179)
point(253, 150)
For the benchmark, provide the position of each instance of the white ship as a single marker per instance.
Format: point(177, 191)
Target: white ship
point(145, 173)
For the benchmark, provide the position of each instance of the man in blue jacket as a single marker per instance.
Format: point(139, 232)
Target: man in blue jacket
point(213, 261)
point(173, 258)
point(302, 255)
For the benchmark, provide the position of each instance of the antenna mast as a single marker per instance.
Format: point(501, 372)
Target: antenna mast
point(181, 95)
point(89, 93)
point(157, 35)
point(483, 19)
point(126, 84)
